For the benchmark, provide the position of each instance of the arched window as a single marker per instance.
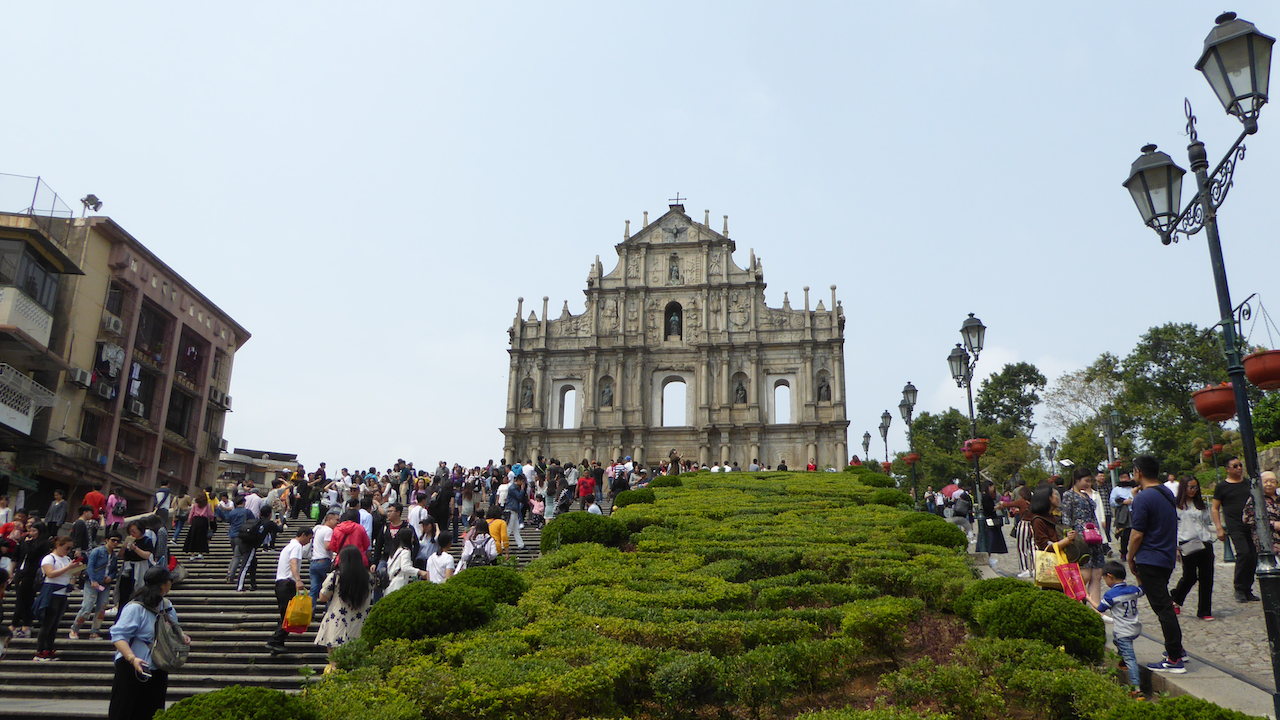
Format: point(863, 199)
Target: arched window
point(568, 408)
point(673, 321)
point(673, 403)
point(781, 403)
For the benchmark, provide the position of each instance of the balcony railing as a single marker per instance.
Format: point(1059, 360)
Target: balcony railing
point(22, 312)
point(20, 399)
point(30, 196)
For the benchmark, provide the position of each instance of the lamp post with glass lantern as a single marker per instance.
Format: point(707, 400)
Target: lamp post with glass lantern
point(905, 407)
point(1052, 451)
point(866, 446)
point(885, 419)
point(1237, 63)
point(962, 361)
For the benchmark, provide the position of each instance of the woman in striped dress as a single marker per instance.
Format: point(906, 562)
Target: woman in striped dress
point(1020, 509)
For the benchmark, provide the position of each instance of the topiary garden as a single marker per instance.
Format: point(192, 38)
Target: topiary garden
point(772, 596)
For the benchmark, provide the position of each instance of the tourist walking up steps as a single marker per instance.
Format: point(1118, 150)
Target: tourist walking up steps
point(321, 555)
point(1153, 547)
point(199, 518)
point(138, 690)
point(288, 583)
point(100, 573)
point(236, 520)
point(347, 590)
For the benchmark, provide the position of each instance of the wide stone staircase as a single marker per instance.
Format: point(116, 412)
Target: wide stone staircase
point(228, 630)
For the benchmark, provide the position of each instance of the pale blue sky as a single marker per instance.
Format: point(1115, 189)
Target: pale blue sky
point(368, 187)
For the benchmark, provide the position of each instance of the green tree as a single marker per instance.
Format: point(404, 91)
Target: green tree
point(1266, 418)
point(1007, 399)
point(939, 438)
point(1079, 396)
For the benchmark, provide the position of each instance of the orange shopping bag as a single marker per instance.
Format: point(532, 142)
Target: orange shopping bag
point(297, 617)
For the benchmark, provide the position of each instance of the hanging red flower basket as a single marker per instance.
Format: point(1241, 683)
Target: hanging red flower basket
point(977, 446)
point(1207, 454)
point(1263, 369)
point(1215, 403)
point(887, 466)
point(911, 458)
point(968, 454)
point(1217, 448)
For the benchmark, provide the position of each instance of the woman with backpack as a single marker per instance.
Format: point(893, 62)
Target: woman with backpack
point(138, 690)
point(347, 590)
point(481, 542)
point(199, 517)
point(117, 507)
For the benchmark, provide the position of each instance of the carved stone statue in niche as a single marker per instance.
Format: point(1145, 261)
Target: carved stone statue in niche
point(824, 389)
point(526, 397)
point(740, 394)
point(673, 272)
point(610, 315)
point(673, 325)
point(606, 394)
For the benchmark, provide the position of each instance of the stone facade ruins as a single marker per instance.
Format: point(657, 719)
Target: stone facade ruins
point(678, 309)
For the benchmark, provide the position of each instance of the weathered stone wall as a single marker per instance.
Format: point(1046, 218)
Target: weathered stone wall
point(678, 308)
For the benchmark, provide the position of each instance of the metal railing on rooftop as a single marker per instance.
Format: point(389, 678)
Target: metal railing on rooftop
point(31, 196)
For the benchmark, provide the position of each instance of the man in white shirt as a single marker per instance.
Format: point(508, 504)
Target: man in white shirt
point(715, 466)
point(418, 513)
point(288, 583)
point(321, 558)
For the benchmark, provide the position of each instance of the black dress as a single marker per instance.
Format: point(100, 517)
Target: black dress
point(995, 538)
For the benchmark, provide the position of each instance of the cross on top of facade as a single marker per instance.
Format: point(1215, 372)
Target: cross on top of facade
point(677, 199)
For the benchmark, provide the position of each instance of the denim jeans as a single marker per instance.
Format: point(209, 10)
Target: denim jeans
point(1124, 646)
point(238, 554)
point(319, 571)
point(91, 606)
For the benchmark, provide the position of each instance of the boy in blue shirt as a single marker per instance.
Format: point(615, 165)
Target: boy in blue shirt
point(1121, 599)
point(100, 572)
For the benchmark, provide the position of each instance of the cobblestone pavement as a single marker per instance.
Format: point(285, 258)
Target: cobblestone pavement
point(1235, 640)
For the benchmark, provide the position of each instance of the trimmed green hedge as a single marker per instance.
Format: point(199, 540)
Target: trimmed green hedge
point(240, 703)
point(987, 590)
point(666, 481)
point(505, 585)
point(890, 497)
point(879, 622)
point(422, 608)
point(1048, 616)
point(1183, 707)
point(583, 527)
point(938, 532)
point(634, 497)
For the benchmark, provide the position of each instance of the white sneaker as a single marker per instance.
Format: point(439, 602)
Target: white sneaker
point(1024, 574)
point(110, 612)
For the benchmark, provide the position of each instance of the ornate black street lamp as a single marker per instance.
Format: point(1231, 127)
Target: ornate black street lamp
point(866, 447)
point(885, 419)
point(1237, 63)
point(962, 361)
point(1052, 451)
point(905, 407)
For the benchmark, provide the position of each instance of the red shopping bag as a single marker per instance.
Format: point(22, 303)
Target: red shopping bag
point(1072, 581)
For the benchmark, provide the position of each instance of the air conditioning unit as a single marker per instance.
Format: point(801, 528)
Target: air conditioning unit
point(222, 444)
point(104, 390)
point(112, 324)
point(226, 402)
point(136, 408)
point(215, 396)
point(83, 378)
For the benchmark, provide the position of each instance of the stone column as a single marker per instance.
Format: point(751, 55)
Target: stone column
point(809, 400)
point(726, 397)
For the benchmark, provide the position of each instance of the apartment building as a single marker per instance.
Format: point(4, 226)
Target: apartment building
point(113, 368)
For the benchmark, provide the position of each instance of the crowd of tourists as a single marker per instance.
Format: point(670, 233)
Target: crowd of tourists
point(362, 535)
